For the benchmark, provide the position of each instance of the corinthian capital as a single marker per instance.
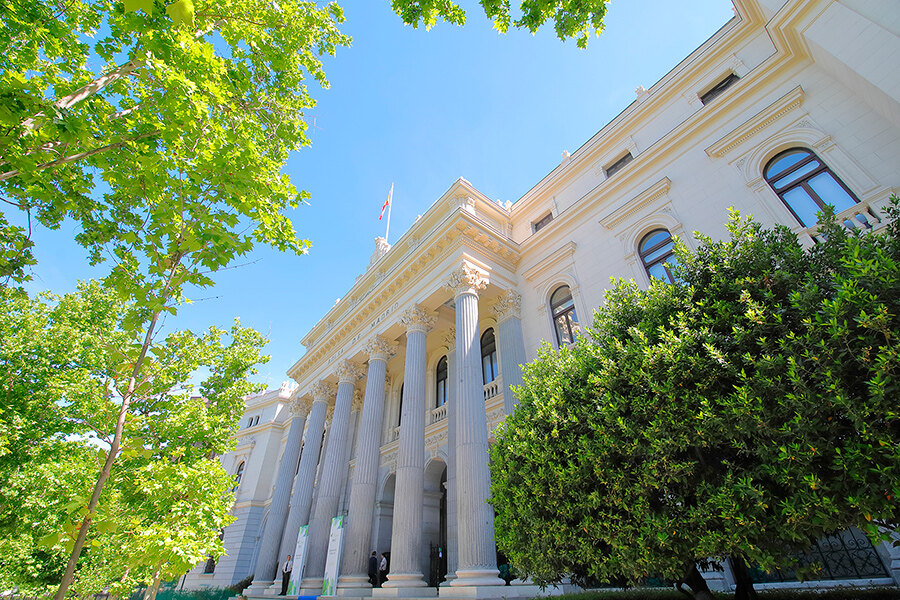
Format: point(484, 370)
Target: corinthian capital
point(323, 392)
point(416, 319)
point(379, 348)
point(300, 405)
point(466, 279)
point(508, 305)
point(348, 372)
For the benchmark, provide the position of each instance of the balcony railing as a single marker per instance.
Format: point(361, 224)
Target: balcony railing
point(493, 388)
point(437, 414)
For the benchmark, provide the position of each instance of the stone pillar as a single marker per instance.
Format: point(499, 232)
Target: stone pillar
point(358, 534)
point(301, 499)
point(511, 345)
point(267, 559)
point(328, 496)
point(406, 533)
point(451, 549)
point(477, 551)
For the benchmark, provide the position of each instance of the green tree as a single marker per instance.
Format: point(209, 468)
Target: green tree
point(743, 412)
point(168, 497)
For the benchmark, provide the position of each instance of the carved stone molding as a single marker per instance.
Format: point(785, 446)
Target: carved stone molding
point(379, 348)
point(357, 401)
point(348, 372)
point(300, 405)
point(323, 392)
point(508, 305)
point(466, 279)
point(416, 319)
point(449, 339)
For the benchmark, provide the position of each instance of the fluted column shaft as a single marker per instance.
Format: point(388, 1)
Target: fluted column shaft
point(452, 528)
point(268, 559)
point(511, 345)
point(329, 494)
point(477, 552)
point(355, 562)
point(301, 499)
point(406, 533)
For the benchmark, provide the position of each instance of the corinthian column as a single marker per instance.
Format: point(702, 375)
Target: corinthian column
point(452, 551)
point(301, 498)
point(512, 347)
point(328, 495)
point(475, 517)
point(406, 534)
point(267, 559)
point(355, 562)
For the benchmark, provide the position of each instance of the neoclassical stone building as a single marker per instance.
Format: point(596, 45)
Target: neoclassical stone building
point(790, 105)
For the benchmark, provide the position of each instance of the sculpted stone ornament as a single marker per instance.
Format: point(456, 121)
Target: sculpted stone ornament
point(324, 392)
point(449, 339)
point(466, 279)
point(348, 372)
point(379, 348)
point(300, 405)
point(357, 401)
point(416, 319)
point(508, 305)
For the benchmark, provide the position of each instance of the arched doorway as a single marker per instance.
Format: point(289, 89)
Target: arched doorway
point(384, 517)
point(434, 523)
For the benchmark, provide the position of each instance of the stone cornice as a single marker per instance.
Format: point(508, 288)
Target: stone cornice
point(549, 263)
point(415, 318)
point(636, 204)
point(466, 279)
point(756, 123)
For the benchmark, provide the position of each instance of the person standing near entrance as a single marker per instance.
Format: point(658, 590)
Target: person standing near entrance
point(382, 570)
point(286, 569)
point(373, 569)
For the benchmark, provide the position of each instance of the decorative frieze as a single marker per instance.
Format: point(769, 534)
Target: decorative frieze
point(508, 305)
point(416, 319)
point(380, 348)
point(466, 279)
point(348, 372)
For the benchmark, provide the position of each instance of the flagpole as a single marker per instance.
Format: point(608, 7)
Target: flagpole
point(390, 202)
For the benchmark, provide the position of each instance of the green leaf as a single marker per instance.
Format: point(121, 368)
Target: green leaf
point(181, 12)
point(145, 5)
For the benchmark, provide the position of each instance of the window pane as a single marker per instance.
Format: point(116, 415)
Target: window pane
point(441, 392)
point(658, 271)
point(562, 296)
point(562, 332)
point(659, 253)
point(803, 206)
point(798, 174)
point(831, 192)
point(654, 238)
point(785, 162)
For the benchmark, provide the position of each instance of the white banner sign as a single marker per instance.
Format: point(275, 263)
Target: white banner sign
point(299, 560)
point(333, 559)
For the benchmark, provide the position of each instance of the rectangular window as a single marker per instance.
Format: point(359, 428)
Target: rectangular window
point(616, 166)
point(542, 222)
point(718, 88)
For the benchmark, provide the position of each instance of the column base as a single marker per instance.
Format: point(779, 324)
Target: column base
point(404, 580)
point(311, 586)
point(477, 577)
point(404, 585)
point(258, 588)
point(354, 585)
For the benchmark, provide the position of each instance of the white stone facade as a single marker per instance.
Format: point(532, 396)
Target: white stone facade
point(820, 75)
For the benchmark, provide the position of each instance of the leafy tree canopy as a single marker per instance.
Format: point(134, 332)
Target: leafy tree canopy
point(743, 412)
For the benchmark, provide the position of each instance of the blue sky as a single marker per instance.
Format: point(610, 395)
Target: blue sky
point(419, 109)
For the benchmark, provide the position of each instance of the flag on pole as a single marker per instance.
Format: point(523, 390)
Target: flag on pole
point(387, 202)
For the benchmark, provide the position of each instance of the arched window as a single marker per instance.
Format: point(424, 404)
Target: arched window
point(657, 254)
point(489, 370)
point(565, 321)
point(805, 184)
point(440, 376)
point(237, 476)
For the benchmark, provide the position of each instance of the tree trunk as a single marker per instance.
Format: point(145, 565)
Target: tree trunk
point(151, 592)
point(697, 588)
point(69, 574)
point(743, 589)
